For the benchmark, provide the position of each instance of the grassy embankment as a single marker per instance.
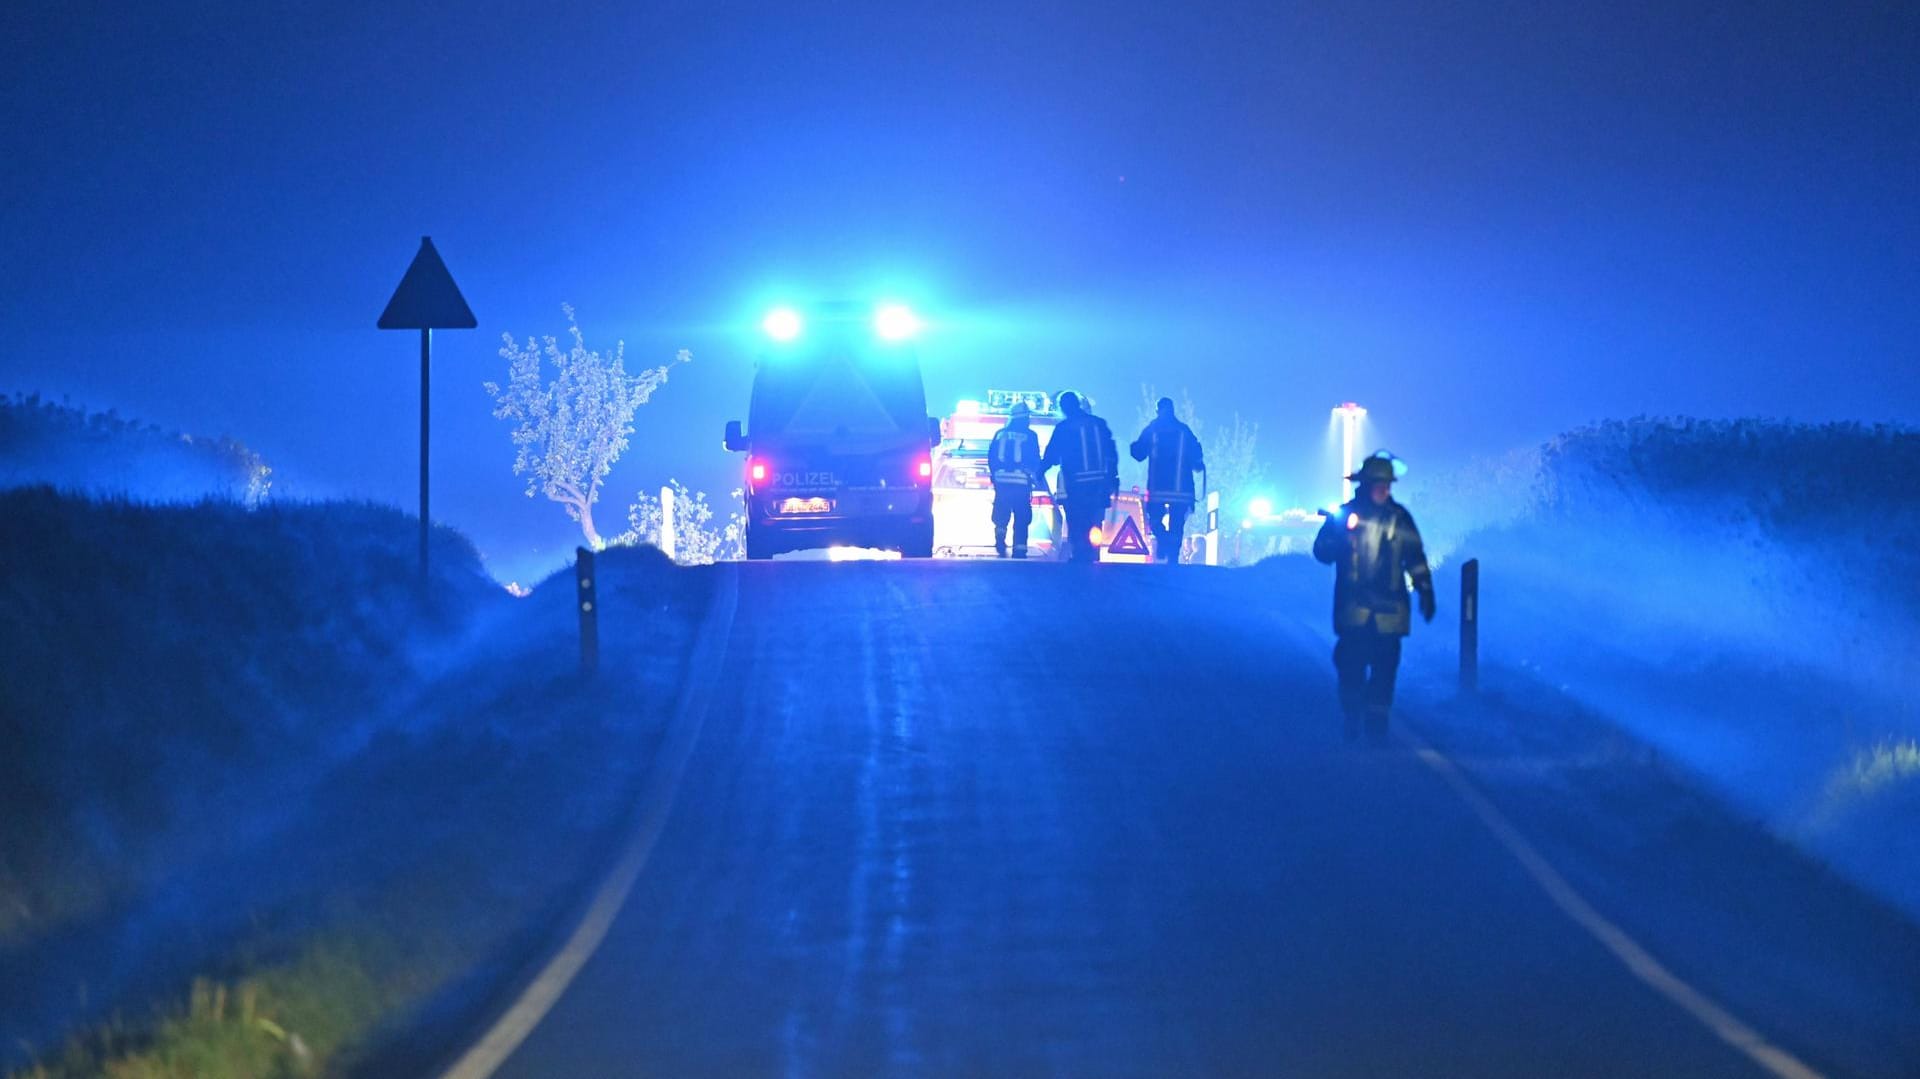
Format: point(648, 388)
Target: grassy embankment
point(264, 805)
point(1735, 594)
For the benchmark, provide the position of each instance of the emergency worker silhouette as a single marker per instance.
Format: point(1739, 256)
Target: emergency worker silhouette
point(1013, 460)
point(1172, 454)
point(1374, 549)
point(1082, 448)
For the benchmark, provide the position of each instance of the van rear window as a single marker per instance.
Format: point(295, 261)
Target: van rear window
point(839, 394)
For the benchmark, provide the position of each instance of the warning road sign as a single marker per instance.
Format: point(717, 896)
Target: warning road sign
point(427, 298)
point(1128, 544)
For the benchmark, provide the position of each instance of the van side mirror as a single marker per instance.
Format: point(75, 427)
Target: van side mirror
point(734, 440)
point(933, 431)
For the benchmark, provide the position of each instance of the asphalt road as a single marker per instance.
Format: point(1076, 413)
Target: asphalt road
point(1034, 819)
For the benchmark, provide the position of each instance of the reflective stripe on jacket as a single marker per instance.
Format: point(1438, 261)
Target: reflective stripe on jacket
point(1372, 561)
point(1014, 457)
point(1082, 447)
point(1173, 455)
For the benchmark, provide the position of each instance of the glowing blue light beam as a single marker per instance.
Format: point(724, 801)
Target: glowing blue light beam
point(782, 324)
point(896, 322)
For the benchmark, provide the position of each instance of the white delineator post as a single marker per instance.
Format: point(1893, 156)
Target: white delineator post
point(666, 523)
point(1212, 538)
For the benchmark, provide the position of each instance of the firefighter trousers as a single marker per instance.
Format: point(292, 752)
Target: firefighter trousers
point(1085, 512)
point(1012, 506)
point(1168, 520)
point(1367, 662)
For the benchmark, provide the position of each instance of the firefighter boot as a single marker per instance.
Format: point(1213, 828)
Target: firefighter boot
point(1377, 724)
point(1353, 711)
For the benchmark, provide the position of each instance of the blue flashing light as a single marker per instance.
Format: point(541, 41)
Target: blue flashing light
point(782, 324)
point(1260, 507)
point(896, 322)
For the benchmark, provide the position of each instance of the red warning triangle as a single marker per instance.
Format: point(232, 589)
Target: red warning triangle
point(427, 298)
point(1128, 540)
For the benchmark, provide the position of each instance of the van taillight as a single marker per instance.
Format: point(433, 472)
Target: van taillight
point(926, 468)
point(758, 470)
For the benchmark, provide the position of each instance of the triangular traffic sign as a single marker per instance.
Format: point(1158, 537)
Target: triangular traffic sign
point(1128, 540)
point(427, 298)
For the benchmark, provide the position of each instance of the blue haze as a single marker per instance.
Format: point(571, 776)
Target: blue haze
point(1488, 223)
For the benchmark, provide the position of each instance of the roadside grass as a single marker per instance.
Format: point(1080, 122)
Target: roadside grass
point(303, 1013)
point(438, 858)
point(1875, 770)
point(163, 659)
point(380, 814)
point(288, 1020)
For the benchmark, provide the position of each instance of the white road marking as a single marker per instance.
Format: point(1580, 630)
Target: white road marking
point(1637, 960)
point(520, 1019)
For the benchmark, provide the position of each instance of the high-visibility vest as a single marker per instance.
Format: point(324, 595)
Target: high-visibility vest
point(1014, 457)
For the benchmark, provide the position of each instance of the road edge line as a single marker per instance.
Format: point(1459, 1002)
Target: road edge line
point(1637, 959)
point(527, 1010)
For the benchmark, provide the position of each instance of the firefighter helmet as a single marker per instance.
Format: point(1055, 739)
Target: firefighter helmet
point(1382, 467)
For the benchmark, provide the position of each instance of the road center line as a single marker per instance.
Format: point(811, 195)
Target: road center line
point(1636, 959)
point(540, 995)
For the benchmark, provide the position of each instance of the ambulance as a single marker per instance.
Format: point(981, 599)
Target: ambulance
point(962, 478)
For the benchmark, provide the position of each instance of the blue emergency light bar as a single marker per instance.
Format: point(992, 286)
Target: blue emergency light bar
point(782, 324)
point(891, 322)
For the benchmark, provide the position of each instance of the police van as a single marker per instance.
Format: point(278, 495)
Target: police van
point(838, 440)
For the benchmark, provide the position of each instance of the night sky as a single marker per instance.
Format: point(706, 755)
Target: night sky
point(1487, 222)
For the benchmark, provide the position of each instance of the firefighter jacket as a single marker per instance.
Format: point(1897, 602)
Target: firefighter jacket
point(1172, 455)
point(1373, 550)
point(1014, 457)
point(1082, 447)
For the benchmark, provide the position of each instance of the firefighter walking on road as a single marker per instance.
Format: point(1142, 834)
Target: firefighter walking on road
point(1173, 455)
point(1082, 448)
point(1013, 458)
point(1374, 548)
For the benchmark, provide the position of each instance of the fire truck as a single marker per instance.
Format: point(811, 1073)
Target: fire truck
point(963, 483)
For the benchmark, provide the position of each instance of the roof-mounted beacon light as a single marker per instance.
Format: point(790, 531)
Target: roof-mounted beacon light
point(782, 324)
point(896, 322)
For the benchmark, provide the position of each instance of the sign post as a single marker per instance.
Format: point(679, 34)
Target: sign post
point(426, 300)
